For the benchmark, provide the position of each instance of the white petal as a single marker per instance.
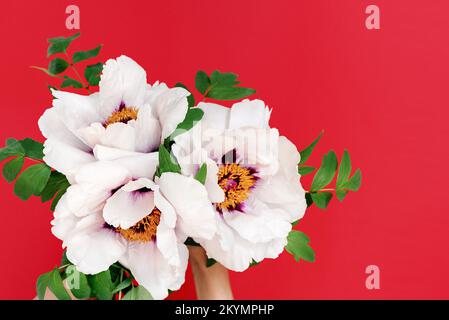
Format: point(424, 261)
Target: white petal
point(84, 199)
point(197, 217)
point(128, 205)
point(119, 135)
point(139, 165)
point(168, 214)
point(65, 158)
point(92, 134)
point(167, 243)
point(171, 108)
point(258, 223)
point(148, 131)
point(215, 115)
point(76, 111)
point(249, 113)
point(151, 269)
point(216, 194)
point(122, 81)
point(64, 220)
point(92, 248)
point(106, 175)
point(52, 126)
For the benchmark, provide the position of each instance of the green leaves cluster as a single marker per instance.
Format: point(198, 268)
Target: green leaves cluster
point(60, 64)
point(221, 86)
point(37, 179)
point(319, 192)
point(114, 283)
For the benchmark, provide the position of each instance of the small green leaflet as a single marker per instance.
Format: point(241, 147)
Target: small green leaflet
point(56, 183)
point(221, 86)
point(321, 199)
point(33, 149)
point(84, 55)
point(326, 172)
point(138, 293)
point(304, 170)
point(123, 285)
point(69, 82)
point(166, 162)
point(53, 281)
point(92, 73)
point(77, 283)
point(60, 44)
point(101, 285)
point(32, 181)
point(305, 154)
point(13, 148)
point(298, 246)
point(57, 66)
point(193, 116)
point(345, 183)
point(12, 168)
point(202, 174)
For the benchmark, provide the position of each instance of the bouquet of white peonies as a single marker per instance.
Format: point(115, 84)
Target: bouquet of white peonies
point(137, 172)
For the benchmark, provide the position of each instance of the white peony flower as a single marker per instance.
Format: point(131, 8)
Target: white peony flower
point(107, 216)
point(126, 114)
point(252, 179)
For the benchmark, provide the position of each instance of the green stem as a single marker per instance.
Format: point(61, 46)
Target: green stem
point(121, 279)
point(85, 85)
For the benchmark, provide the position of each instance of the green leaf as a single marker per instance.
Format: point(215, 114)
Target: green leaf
point(344, 170)
point(210, 262)
point(222, 79)
point(57, 66)
point(13, 148)
point(32, 181)
point(341, 194)
point(201, 174)
point(123, 285)
point(56, 286)
point(77, 283)
point(321, 199)
point(326, 172)
point(305, 154)
point(64, 259)
point(33, 149)
point(304, 170)
point(298, 246)
point(309, 200)
point(138, 293)
point(56, 183)
point(42, 284)
point(56, 199)
point(229, 93)
point(354, 182)
point(84, 55)
point(12, 168)
point(101, 285)
point(166, 162)
point(60, 44)
point(190, 98)
point(193, 116)
point(202, 82)
point(69, 82)
point(92, 73)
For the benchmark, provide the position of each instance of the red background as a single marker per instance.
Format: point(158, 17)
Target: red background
point(382, 94)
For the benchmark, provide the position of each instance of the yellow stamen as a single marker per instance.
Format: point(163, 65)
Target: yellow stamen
point(122, 115)
point(236, 182)
point(144, 230)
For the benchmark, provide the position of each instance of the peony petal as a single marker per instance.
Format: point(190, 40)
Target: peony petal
point(148, 131)
point(171, 108)
point(65, 158)
point(249, 113)
point(119, 135)
point(151, 269)
point(106, 175)
point(215, 115)
point(129, 205)
point(52, 126)
point(122, 81)
point(83, 199)
point(92, 248)
point(197, 217)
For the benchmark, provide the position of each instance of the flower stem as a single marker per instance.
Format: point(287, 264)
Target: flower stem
point(72, 65)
